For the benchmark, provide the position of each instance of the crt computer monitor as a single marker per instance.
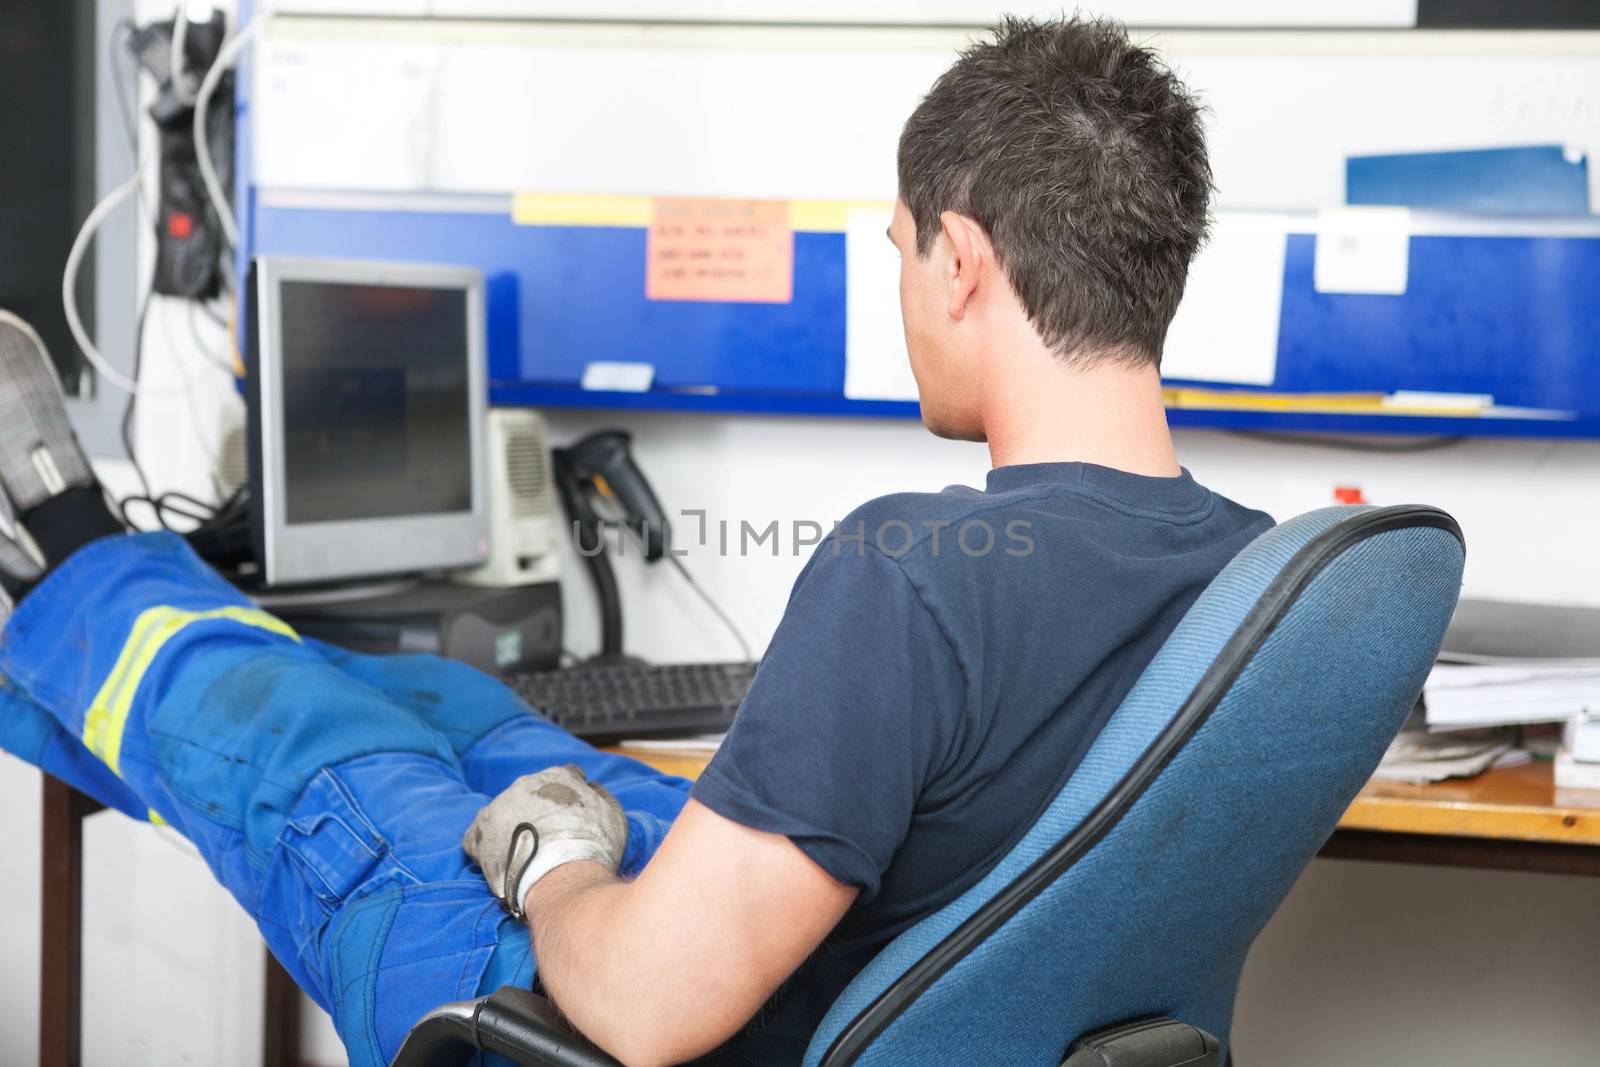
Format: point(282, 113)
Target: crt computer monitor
point(367, 402)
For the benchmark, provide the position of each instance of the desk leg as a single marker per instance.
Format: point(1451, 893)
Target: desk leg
point(280, 1023)
point(61, 945)
point(61, 923)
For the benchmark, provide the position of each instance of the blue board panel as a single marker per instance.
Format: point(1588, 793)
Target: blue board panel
point(580, 297)
point(1515, 317)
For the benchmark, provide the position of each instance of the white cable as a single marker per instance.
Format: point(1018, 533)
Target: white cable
point(177, 63)
point(202, 143)
point(69, 286)
point(69, 280)
point(109, 203)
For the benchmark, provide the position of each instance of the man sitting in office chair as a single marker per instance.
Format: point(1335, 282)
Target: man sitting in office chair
point(941, 668)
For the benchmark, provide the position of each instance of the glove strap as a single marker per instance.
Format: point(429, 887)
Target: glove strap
point(547, 856)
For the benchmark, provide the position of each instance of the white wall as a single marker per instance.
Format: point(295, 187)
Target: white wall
point(1370, 963)
point(1529, 507)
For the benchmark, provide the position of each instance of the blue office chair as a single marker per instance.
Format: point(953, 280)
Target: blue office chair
point(1114, 933)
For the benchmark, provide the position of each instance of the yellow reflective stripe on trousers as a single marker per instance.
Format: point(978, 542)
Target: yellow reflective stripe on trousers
point(108, 714)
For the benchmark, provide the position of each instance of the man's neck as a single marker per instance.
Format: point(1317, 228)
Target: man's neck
point(1041, 410)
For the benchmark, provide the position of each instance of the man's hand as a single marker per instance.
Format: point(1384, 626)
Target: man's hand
point(541, 822)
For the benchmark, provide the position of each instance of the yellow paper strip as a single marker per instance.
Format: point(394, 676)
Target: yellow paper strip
point(579, 209)
point(596, 209)
point(1309, 403)
point(828, 216)
point(1231, 400)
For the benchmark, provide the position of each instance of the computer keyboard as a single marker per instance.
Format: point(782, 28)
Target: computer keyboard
point(636, 700)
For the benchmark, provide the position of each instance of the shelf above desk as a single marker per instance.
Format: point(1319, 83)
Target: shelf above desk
point(1505, 819)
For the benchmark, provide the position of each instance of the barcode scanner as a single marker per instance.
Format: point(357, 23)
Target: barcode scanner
point(601, 466)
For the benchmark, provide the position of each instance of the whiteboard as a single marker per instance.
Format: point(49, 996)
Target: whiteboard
point(1369, 13)
point(1287, 109)
point(432, 106)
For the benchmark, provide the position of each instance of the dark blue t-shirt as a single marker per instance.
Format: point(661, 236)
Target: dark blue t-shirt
point(944, 663)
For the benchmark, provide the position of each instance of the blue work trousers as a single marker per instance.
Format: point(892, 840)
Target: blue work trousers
point(327, 791)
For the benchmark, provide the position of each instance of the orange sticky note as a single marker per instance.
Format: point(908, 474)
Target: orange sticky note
point(702, 249)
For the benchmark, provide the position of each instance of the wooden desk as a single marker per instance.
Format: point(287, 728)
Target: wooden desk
point(1509, 820)
point(686, 763)
point(1506, 819)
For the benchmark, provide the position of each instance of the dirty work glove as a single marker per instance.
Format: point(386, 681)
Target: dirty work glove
point(540, 822)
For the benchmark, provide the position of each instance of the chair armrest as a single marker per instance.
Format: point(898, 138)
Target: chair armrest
point(1156, 1042)
point(515, 1023)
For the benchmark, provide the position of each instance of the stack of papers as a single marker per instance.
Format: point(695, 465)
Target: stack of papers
point(1458, 696)
point(1419, 757)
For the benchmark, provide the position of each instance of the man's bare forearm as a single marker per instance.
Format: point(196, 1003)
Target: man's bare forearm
point(566, 912)
point(669, 966)
point(601, 972)
point(566, 920)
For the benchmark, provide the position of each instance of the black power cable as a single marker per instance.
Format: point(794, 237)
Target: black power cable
point(172, 502)
point(133, 400)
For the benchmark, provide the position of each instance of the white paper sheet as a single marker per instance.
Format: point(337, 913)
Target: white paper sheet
point(876, 365)
point(1473, 676)
point(687, 745)
point(345, 115)
point(481, 144)
point(1457, 695)
point(389, 8)
point(1583, 736)
point(1363, 250)
point(1573, 773)
point(1420, 757)
point(618, 377)
point(1226, 329)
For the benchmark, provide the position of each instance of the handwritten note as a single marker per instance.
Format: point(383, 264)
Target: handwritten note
point(733, 250)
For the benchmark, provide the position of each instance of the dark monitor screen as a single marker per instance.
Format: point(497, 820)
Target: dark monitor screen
point(376, 420)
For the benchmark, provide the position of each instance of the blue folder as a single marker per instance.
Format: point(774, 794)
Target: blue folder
point(1536, 180)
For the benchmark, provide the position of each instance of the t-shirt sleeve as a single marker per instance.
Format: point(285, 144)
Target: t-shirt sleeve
point(857, 703)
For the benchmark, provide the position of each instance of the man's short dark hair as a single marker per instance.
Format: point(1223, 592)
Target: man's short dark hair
point(1082, 157)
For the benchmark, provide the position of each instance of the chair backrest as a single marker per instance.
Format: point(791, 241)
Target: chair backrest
point(1226, 768)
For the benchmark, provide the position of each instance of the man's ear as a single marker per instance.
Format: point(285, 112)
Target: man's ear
point(969, 255)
